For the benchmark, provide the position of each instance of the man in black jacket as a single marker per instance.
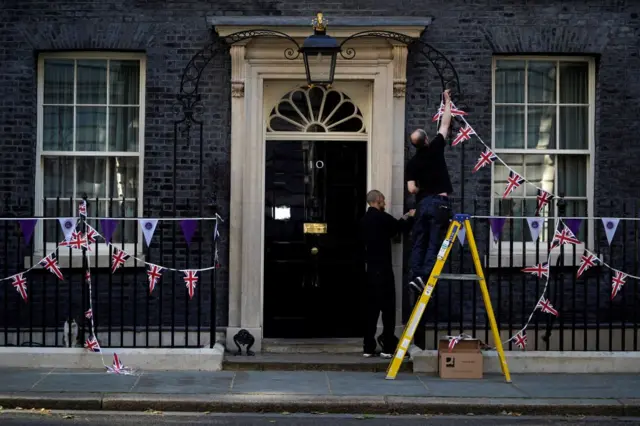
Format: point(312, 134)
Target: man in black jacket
point(378, 228)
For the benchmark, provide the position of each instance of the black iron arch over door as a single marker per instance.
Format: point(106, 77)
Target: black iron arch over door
point(189, 124)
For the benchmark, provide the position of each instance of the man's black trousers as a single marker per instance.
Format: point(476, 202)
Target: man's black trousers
point(380, 296)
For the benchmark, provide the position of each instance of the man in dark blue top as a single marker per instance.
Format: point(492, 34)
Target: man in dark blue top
point(428, 179)
point(378, 228)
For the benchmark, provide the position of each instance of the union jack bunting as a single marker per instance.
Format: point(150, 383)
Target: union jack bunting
point(82, 208)
point(191, 280)
point(463, 135)
point(541, 270)
point(543, 199)
point(453, 341)
point(564, 237)
point(513, 181)
point(118, 259)
point(92, 344)
point(88, 314)
point(520, 339)
point(485, 159)
point(19, 282)
point(153, 273)
point(78, 241)
point(455, 112)
point(50, 263)
point(587, 260)
point(618, 280)
point(87, 277)
point(545, 306)
point(65, 243)
point(90, 237)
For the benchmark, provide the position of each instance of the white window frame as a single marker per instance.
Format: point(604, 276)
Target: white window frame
point(64, 254)
point(525, 254)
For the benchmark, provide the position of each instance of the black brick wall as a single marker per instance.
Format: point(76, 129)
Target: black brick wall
point(467, 32)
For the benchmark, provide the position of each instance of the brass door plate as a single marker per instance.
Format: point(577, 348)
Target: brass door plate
point(315, 228)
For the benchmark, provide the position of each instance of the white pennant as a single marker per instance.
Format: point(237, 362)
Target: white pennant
point(148, 227)
point(68, 225)
point(610, 226)
point(535, 227)
point(462, 234)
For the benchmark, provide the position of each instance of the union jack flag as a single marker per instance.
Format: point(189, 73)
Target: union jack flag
point(82, 208)
point(87, 277)
point(463, 135)
point(118, 259)
point(543, 199)
point(617, 282)
point(78, 241)
point(65, 243)
point(92, 344)
point(455, 112)
point(541, 270)
point(545, 306)
point(514, 181)
point(453, 341)
point(587, 260)
point(521, 339)
point(90, 237)
point(50, 263)
point(191, 279)
point(20, 284)
point(117, 367)
point(154, 273)
point(564, 237)
point(88, 314)
point(485, 159)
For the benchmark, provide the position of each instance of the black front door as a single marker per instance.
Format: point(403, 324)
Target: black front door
point(313, 280)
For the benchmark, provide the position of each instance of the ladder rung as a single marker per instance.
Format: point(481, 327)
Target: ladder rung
point(457, 277)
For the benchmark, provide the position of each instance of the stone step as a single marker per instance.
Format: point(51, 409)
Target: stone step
point(309, 362)
point(313, 346)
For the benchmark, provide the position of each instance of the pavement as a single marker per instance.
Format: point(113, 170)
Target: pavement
point(110, 418)
point(320, 392)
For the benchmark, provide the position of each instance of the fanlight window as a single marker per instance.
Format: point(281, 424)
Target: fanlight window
point(316, 110)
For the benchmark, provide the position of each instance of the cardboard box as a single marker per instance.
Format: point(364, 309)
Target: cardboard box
point(463, 362)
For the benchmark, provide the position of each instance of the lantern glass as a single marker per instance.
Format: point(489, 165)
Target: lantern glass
point(320, 66)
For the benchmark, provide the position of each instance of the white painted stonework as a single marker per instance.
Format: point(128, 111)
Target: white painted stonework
point(375, 79)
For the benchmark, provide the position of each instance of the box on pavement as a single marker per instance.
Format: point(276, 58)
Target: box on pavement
point(464, 361)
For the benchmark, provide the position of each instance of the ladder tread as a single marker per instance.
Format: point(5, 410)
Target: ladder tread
point(456, 277)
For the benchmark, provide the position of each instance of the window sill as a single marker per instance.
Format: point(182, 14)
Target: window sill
point(529, 256)
point(73, 258)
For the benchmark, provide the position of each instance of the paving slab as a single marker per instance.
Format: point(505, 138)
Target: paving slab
point(85, 382)
point(579, 386)
point(14, 380)
point(170, 382)
point(298, 382)
point(488, 386)
point(352, 383)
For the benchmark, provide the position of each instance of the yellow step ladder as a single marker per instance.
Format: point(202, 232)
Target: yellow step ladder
point(459, 221)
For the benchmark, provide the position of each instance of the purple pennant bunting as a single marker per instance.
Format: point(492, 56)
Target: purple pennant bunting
point(574, 225)
point(108, 227)
point(497, 223)
point(27, 226)
point(188, 229)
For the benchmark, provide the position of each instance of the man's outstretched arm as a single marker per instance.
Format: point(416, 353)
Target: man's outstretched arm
point(445, 122)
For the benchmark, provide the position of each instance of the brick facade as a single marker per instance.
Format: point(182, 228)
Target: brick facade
point(171, 32)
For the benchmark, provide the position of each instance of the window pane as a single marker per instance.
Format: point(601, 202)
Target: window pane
point(572, 175)
point(91, 128)
point(501, 174)
point(541, 123)
point(91, 177)
point(574, 83)
point(123, 174)
point(58, 177)
point(541, 82)
point(92, 82)
point(516, 230)
point(509, 131)
point(574, 132)
point(509, 81)
point(57, 128)
point(126, 230)
point(123, 128)
point(124, 82)
point(58, 81)
point(540, 171)
point(55, 208)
